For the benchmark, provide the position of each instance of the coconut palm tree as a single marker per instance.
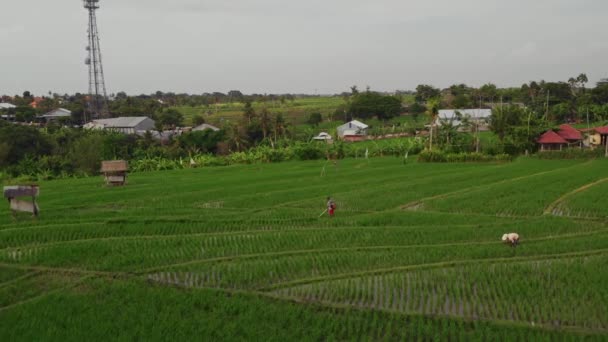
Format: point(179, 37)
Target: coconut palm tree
point(432, 111)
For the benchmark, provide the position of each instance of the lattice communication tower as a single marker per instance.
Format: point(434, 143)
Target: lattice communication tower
point(97, 106)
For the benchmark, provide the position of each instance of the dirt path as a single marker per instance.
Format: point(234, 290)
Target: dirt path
point(557, 202)
point(419, 203)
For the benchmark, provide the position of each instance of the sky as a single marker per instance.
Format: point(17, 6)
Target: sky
point(312, 46)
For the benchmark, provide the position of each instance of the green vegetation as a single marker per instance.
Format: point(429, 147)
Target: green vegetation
point(240, 252)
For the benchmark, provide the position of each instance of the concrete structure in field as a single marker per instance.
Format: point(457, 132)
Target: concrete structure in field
point(353, 131)
point(480, 117)
point(205, 127)
point(57, 114)
point(125, 125)
point(15, 195)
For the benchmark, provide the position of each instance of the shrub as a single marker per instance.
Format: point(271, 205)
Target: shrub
point(442, 157)
point(308, 151)
point(571, 153)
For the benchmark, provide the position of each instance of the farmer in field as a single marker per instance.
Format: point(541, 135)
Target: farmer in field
point(512, 238)
point(331, 207)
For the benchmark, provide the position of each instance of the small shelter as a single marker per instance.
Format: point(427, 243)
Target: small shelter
point(14, 195)
point(551, 141)
point(323, 136)
point(115, 172)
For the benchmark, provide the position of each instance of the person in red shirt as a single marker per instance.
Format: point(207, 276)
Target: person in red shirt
point(331, 207)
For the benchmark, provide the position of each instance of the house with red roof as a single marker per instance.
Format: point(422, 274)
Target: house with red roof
point(36, 102)
point(568, 136)
point(551, 141)
point(571, 134)
point(597, 136)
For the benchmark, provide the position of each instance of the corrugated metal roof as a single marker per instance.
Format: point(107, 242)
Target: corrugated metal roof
point(355, 124)
point(204, 127)
point(473, 113)
point(450, 115)
point(57, 113)
point(7, 106)
point(122, 122)
point(359, 124)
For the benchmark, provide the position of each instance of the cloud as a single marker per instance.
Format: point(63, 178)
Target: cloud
point(7, 32)
point(295, 45)
point(529, 49)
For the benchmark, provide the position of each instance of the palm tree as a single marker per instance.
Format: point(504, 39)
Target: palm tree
point(235, 137)
point(249, 112)
point(265, 122)
point(432, 111)
point(280, 127)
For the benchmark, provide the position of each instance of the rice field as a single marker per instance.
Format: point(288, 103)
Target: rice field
point(240, 252)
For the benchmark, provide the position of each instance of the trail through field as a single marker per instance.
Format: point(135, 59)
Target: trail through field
point(419, 204)
point(552, 207)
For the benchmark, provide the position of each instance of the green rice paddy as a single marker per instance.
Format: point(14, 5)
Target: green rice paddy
point(240, 253)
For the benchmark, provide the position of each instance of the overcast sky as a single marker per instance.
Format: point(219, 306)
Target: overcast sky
point(280, 46)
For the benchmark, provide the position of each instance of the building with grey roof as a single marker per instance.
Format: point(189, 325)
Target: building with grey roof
point(205, 127)
point(57, 114)
point(353, 128)
point(456, 116)
point(7, 106)
point(125, 125)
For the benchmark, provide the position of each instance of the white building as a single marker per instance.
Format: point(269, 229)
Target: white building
point(205, 127)
point(479, 116)
point(125, 125)
point(7, 106)
point(353, 128)
point(323, 136)
point(57, 114)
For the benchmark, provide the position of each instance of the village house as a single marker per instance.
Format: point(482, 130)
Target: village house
point(353, 131)
point(568, 137)
point(7, 106)
point(551, 141)
point(479, 117)
point(37, 100)
point(56, 115)
point(573, 136)
point(594, 137)
point(125, 125)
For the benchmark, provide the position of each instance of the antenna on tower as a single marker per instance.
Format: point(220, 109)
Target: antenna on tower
point(97, 106)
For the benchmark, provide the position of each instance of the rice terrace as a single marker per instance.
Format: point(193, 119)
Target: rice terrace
point(240, 252)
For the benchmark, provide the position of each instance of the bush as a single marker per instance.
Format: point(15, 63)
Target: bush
point(442, 157)
point(571, 153)
point(308, 151)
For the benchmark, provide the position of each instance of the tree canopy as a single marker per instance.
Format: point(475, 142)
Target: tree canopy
point(369, 104)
